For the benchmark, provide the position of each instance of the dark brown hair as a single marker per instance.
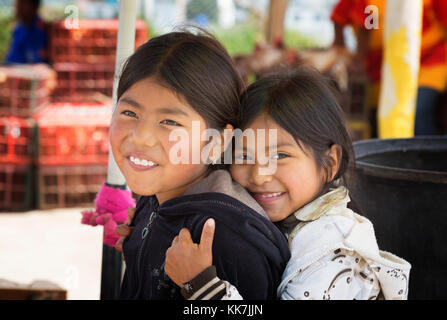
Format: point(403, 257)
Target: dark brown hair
point(196, 67)
point(304, 103)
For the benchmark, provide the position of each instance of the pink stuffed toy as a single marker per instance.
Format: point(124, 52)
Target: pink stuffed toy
point(111, 210)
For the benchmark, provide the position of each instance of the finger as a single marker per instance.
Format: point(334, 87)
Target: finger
point(206, 239)
point(185, 236)
point(167, 254)
point(175, 240)
point(123, 230)
point(119, 245)
point(130, 214)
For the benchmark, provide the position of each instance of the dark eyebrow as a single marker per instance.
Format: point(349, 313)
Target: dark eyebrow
point(172, 110)
point(164, 110)
point(130, 101)
point(283, 144)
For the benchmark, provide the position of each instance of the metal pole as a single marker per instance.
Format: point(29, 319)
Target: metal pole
point(112, 266)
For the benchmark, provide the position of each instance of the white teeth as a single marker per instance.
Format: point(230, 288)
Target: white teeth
point(271, 195)
point(142, 162)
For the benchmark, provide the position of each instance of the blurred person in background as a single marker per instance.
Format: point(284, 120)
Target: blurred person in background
point(368, 56)
point(367, 59)
point(29, 43)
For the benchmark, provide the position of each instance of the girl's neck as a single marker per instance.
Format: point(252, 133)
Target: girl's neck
point(171, 194)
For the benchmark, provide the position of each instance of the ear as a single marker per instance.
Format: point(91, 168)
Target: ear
point(334, 154)
point(226, 137)
point(225, 140)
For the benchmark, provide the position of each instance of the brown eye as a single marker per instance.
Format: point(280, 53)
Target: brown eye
point(170, 123)
point(280, 155)
point(129, 113)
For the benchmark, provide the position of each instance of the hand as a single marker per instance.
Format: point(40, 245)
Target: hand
point(185, 259)
point(124, 230)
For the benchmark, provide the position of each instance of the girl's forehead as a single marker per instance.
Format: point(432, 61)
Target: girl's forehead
point(263, 121)
point(266, 122)
point(150, 89)
point(149, 94)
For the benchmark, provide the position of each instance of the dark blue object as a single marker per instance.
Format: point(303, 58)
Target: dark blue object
point(28, 44)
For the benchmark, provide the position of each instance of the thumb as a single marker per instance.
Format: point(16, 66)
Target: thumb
point(207, 237)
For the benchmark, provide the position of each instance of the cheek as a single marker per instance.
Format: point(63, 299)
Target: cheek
point(240, 174)
point(303, 183)
point(179, 171)
point(117, 132)
point(289, 177)
point(182, 148)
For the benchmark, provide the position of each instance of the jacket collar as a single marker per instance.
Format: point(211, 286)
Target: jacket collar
point(220, 181)
point(318, 207)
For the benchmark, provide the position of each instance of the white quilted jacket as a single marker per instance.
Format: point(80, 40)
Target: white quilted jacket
point(334, 255)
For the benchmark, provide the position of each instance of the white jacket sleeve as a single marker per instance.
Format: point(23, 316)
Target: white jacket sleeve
point(231, 292)
point(340, 275)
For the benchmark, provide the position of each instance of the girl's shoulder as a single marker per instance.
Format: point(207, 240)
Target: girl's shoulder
point(220, 182)
point(344, 230)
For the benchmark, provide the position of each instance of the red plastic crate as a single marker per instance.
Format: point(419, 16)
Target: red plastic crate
point(25, 88)
point(94, 41)
point(16, 187)
point(69, 186)
point(73, 134)
point(16, 140)
point(79, 82)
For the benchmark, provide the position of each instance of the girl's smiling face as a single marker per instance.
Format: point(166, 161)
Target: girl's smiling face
point(139, 136)
point(296, 181)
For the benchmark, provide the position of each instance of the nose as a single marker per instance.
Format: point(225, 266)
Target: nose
point(142, 135)
point(257, 178)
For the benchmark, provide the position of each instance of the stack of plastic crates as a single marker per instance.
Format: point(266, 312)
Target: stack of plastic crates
point(72, 153)
point(84, 58)
point(24, 90)
point(16, 170)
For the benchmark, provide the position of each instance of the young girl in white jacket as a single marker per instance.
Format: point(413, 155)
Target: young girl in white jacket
point(334, 252)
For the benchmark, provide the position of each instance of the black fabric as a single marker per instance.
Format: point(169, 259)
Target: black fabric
point(248, 250)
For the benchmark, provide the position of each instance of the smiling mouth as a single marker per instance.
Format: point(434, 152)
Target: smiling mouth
point(267, 196)
point(141, 164)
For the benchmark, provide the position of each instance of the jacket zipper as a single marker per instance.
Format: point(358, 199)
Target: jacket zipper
point(144, 234)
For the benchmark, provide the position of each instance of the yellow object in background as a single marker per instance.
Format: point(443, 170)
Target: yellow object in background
point(397, 102)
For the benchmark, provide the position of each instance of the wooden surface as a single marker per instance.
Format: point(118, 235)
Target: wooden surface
point(38, 290)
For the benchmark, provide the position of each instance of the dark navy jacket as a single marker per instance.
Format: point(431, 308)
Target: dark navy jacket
point(248, 250)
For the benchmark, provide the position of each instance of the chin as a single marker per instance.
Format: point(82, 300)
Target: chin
point(273, 216)
point(276, 219)
point(141, 190)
